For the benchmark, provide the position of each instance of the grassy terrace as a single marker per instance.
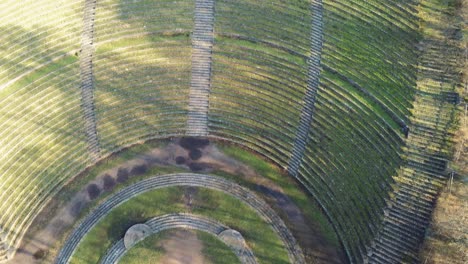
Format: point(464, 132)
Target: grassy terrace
point(41, 140)
point(35, 32)
point(349, 162)
point(142, 70)
point(379, 60)
point(355, 147)
point(213, 204)
point(434, 120)
point(257, 90)
point(150, 250)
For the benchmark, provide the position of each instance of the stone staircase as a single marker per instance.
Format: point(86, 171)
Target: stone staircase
point(202, 43)
point(313, 77)
point(87, 82)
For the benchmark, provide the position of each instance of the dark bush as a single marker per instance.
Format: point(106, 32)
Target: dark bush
point(180, 160)
point(193, 143)
point(198, 166)
point(122, 175)
point(40, 254)
point(109, 182)
point(93, 191)
point(139, 170)
point(195, 154)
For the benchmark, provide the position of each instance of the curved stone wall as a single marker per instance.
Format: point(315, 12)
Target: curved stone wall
point(184, 179)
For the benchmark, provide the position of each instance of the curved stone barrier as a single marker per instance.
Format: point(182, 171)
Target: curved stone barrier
point(231, 238)
point(184, 179)
point(135, 234)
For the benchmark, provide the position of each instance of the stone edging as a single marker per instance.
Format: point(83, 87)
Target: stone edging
point(189, 221)
point(184, 179)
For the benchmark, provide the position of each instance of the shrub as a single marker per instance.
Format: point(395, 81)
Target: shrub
point(40, 254)
point(138, 170)
point(193, 143)
point(122, 175)
point(109, 182)
point(180, 160)
point(93, 191)
point(195, 154)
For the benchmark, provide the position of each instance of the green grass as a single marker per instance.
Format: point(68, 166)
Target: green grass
point(379, 61)
point(215, 251)
point(212, 204)
point(151, 249)
point(146, 251)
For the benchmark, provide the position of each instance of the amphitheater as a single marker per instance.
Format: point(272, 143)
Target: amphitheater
point(289, 131)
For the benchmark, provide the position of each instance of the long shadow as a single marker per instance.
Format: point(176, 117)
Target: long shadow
point(41, 122)
point(132, 86)
point(429, 147)
point(25, 51)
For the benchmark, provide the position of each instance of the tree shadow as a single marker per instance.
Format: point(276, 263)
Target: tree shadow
point(142, 71)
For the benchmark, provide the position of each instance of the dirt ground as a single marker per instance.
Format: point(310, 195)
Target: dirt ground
point(193, 155)
point(182, 247)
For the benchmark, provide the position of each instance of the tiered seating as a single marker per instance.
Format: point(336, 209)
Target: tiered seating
point(379, 60)
point(258, 71)
point(184, 179)
point(36, 33)
point(115, 253)
point(355, 144)
point(259, 74)
point(142, 70)
point(42, 143)
point(428, 147)
point(348, 164)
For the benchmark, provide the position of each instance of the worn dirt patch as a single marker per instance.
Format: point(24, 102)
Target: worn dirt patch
point(182, 247)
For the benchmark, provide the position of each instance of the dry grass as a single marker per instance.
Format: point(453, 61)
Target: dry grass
point(447, 240)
